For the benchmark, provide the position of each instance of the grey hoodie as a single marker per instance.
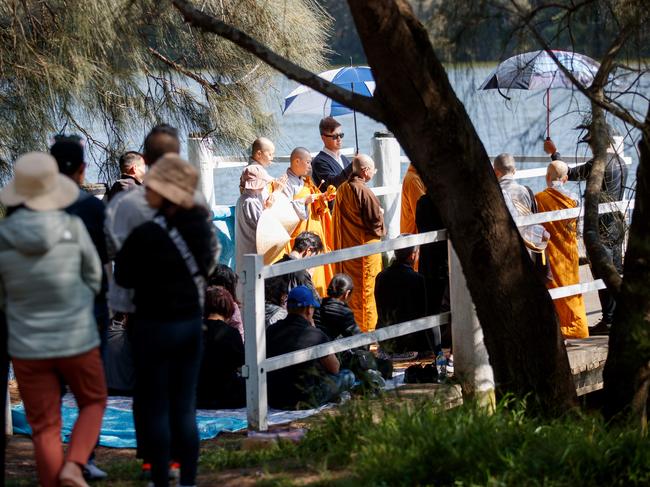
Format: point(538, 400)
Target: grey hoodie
point(49, 275)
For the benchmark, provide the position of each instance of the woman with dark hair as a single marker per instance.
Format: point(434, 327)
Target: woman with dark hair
point(334, 316)
point(166, 262)
point(226, 277)
point(221, 386)
point(276, 290)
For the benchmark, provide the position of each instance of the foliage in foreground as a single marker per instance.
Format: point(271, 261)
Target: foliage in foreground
point(421, 445)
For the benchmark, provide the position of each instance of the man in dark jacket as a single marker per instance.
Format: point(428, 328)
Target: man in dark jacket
point(611, 226)
point(69, 154)
point(308, 384)
point(132, 170)
point(401, 295)
point(330, 167)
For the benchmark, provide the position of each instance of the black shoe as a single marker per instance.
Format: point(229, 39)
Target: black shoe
point(601, 328)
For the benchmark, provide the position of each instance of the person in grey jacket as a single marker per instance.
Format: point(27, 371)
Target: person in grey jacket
point(49, 275)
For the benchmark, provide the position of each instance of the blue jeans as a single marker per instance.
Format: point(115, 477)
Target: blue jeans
point(167, 357)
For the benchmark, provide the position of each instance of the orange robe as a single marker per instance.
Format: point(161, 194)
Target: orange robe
point(358, 220)
point(412, 190)
point(319, 222)
point(562, 251)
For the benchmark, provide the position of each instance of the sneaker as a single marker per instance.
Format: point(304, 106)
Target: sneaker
point(145, 472)
point(93, 472)
point(174, 470)
point(601, 328)
point(450, 365)
point(397, 357)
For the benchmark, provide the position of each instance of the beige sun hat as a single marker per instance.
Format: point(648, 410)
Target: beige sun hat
point(173, 178)
point(38, 185)
point(254, 177)
point(270, 237)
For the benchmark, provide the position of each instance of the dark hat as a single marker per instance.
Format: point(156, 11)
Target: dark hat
point(69, 153)
point(301, 297)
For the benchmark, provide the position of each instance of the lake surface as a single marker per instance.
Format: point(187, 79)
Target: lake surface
point(516, 125)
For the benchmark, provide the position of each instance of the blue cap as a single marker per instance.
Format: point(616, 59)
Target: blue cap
point(301, 297)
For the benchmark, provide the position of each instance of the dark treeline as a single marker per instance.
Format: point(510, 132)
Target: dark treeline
point(477, 30)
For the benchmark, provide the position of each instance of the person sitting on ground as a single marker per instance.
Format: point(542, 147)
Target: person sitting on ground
point(276, 291)
point(334, 317)
point(401, 295)
point(308, 384)
point(305, 245)
point(563, 251)
point(220, 385)
point(226, 277)
point(132, 170)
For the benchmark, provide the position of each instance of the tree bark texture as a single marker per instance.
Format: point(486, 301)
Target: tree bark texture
point(625, 375)
point(517, 315)
point(598, 256)
point(415, 100)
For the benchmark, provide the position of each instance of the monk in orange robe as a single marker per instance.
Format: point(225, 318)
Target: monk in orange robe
point(311, 206)
point(562, 251)
point(412, 190)
point(358, 219)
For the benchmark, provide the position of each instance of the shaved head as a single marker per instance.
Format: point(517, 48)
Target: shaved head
point(263, 151)
point(300, 161)
point(557, 170)
point(504, 164)
point(261, 144)
point(362, 161)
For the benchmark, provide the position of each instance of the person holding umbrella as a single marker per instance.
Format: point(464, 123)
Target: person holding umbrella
point(330, 167)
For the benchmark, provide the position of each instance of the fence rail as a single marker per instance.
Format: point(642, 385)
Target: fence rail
point(258, 365)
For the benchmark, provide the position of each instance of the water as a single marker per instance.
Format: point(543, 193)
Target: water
point(517, 125)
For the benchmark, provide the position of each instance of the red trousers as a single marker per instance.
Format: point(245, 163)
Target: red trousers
point(39, 382)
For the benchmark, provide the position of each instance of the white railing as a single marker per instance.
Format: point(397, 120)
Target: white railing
point(258, 365)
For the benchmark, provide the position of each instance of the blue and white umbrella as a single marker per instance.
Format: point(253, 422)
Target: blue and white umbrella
point(537, 70)
point(306, 100)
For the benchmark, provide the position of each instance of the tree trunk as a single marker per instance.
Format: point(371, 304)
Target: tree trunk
point(517, 315)
point(626, 370)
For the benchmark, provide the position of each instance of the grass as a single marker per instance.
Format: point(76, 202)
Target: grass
point(422, 445)
point(418, 443)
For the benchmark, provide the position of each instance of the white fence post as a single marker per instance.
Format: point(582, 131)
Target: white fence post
point(255, 342)
point(471, 361)
point(9, 427)
point(200, 153)
point(386, 154)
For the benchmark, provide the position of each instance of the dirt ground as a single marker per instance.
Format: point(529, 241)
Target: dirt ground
point(20, 469)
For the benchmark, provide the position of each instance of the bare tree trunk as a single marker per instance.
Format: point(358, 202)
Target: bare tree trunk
point(626, 371)
point(521, 330)
point(415, 100)
point(600, 260)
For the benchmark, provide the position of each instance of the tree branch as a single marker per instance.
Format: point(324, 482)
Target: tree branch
point(208, 23)
point(177, 67)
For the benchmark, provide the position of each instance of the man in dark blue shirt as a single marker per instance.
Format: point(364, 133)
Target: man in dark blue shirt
point(310, 383)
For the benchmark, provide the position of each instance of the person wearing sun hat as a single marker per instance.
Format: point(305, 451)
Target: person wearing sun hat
point(49, 275)
point(166, 263)
point(248, 210)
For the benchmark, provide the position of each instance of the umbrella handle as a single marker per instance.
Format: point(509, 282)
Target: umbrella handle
point(548, 114)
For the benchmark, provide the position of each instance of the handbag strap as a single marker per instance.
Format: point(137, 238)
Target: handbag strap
point(187, 255)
